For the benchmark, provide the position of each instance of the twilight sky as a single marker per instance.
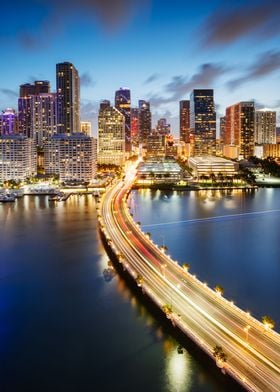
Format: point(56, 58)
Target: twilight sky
point(160, 49)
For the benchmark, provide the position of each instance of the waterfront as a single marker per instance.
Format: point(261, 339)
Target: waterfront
point(64, 327)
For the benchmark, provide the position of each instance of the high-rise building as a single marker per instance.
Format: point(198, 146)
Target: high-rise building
point(71, 157)
point(104, 104)
point(155, 145)
point(68, 98)
point(145, 121)
point(24, 103)
point(8, 122)
point(265, 127)
point(222, 129)
point(123, 104)
point(86, 127)
point(111, 136)
point(17, 157)
point(240, 124)
point(36, 88)
point(163, 128)
point(134, 125)
point(203, 122)
point(185, 121)
point(43, 117)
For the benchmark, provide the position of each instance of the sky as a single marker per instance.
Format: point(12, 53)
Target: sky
point(159, 49)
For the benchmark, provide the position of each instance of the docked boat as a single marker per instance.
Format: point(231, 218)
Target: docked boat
point(54, 198)
point(7, 198)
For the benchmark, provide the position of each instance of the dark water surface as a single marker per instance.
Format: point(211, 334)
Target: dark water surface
point(228, 238)
point(63, 328)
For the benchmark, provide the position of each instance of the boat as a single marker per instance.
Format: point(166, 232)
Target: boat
point(7, 198)
point(54, 198)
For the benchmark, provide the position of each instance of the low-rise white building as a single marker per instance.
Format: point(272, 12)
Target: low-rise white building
point(210, 164)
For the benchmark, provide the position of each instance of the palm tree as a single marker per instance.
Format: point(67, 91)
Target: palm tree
point(219, 355)
point(219, 289)
point(186, 266)
point(268, 322)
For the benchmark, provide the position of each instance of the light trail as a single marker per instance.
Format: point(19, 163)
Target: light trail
point(218, 218)
point(206, 318)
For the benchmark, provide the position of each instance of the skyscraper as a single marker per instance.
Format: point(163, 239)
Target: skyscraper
point(185, 121)
point(145, 121)
point(134, 125)
point(38, 87)
point(111, 136)
point(240, 124)
point(265, 127)
point(24, 103)
point(163, 128)
point(222, 129)
point(43, 117)
point(8, 122)
point(68, 98)
point(123, 104)
point(203, 121)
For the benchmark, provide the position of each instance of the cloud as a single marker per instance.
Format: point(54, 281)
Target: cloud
point(230, 22)
point(266, 64)
point(152, 78)
point(11, 94)
point(89, 109)
point(86, 80)
point(42, 21)
point(181, 85)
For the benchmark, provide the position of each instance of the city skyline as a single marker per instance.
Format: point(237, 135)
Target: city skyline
point(160, 52)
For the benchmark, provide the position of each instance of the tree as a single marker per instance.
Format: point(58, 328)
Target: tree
point(219, 355)
point(219, 289)
point(268, 322)
point(186, 266)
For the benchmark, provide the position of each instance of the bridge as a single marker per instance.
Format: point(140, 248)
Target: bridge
point(252, 349)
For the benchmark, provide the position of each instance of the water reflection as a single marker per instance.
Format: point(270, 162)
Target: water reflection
point(178, 369)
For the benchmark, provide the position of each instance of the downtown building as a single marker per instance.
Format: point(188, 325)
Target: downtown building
point(185, 121)
point(68, 98)
point(163, 128)
point(17, 157)
point(123, 104)
point(26, 91)
point(239, 134)
point(71, 157)
point(43, 117)
point(111, 136)
point(144, 121)
point(203, 122)
point(265, 127)
point(8, 122)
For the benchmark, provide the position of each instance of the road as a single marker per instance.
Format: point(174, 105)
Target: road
point(252, 350)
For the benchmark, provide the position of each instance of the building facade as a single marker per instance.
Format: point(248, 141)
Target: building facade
point(43, 117)
point(240, 126)
point(24, 104)
point(203, 122)
point(163, 128)
point(265, 127)
point(8, 122)
point(145, 121)
point(111, 136)
point(123, 104)
point(86, 127)
point(68, 98)
point(185, 121)
point(17, 157)
point(71, 157)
